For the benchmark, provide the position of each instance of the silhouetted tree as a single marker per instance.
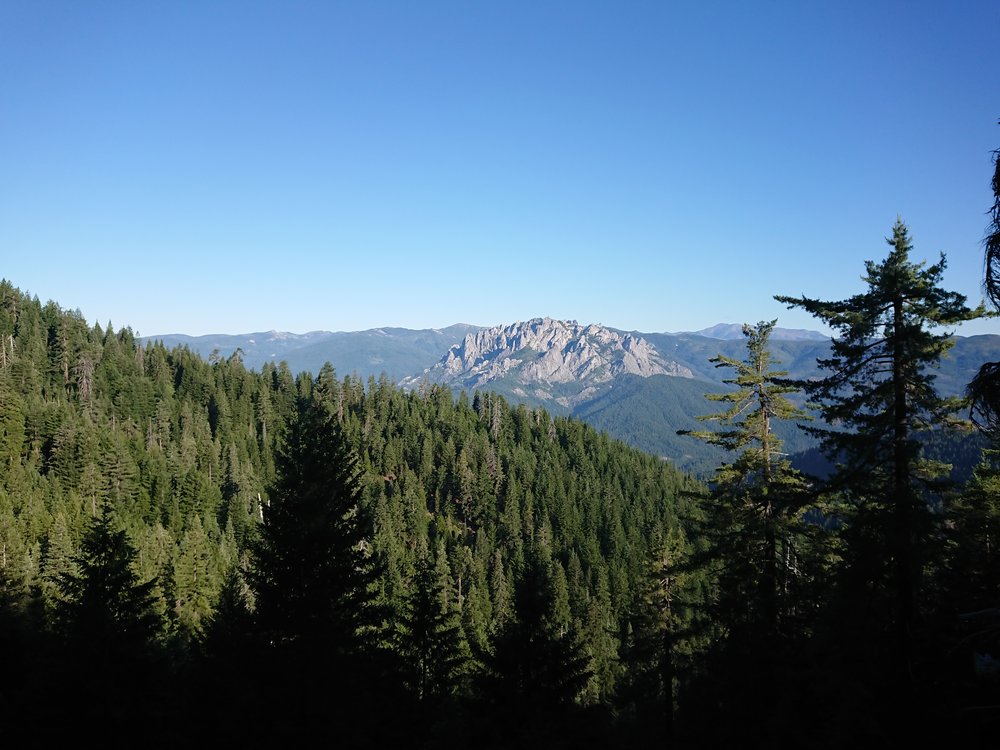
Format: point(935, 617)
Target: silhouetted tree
point(310, 572)
point(105, 611)
point(312, 578)
point(879, 394)
point(533, 672)
point(984, 389)
point(110, 628)
point(665, 629)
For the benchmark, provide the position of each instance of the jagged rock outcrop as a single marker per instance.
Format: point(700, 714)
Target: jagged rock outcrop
point(544, 352)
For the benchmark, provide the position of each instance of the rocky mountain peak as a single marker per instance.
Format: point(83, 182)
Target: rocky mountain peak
point(543, 352)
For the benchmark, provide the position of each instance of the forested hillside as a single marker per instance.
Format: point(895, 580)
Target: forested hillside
point(479, 501)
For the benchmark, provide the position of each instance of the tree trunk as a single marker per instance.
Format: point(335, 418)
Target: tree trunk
point(769, 576)
point(901, 498)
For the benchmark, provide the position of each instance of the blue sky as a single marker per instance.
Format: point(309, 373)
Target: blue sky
point(231, 167)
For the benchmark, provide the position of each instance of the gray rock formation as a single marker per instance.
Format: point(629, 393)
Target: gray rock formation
point(544, 352)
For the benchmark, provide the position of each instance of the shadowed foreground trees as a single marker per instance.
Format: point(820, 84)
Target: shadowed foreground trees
point(109, 629)
point(877, 397)
point(267, 555)
point(320, 651)
point(310, 573)
point(760, 552)
point(429, 638)
point(106, 614)
point(971, 585)
point(535, 671)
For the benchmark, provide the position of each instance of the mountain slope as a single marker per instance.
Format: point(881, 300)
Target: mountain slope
point(648, 412)
point(548, 360)
point(692, 351)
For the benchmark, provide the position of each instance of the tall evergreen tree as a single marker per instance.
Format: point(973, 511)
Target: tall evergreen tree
point(533, 671)
point(310, 572)
point(194, 581)
point(972, 583)
point(661, 634)
point(429, 636)
point(228, 627)
point(876, 398)
point(105, 610)
point(758, 497)
point(111, 633)
point(992, 239)
point(321, 664)
point(57, 559)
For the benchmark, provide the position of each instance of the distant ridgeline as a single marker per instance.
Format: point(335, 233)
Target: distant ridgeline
point(639, 387)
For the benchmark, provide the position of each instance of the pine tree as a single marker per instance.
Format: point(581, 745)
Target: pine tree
point(535, 670)
point(310, 573)
point(194, 584)
point(105, 611)
point(972, 586)
point(227, 629)
point(429, 636)
point(973, 580)
point(57, 559)
point(992, 239)
point(757, 497)
point(662, 632)
point(877, 396)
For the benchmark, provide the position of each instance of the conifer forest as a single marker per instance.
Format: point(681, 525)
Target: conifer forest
point(194, 551)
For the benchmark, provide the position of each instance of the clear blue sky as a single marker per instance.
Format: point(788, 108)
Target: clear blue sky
point(231, 167)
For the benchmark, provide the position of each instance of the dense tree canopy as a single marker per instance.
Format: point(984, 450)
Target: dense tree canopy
point(269, 508)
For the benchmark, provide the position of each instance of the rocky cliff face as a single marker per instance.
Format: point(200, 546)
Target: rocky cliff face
point(543, 352)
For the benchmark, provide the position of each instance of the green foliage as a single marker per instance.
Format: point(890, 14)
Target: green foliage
point(105, 610)
point(984, 390)
point(876, 398)
point(310, 574)
point(885, 496)
point(666, 631)
point(992, 239)
point(429, 635)
point(537, 668)
point(338, 488)
point(195, 586)
point(647, 412)
point(270, 528)
point(757, 498)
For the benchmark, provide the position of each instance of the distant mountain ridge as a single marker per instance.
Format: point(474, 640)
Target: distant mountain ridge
point(639, 387)
point(396, 352)
point(405, 353)
point(734, 331)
